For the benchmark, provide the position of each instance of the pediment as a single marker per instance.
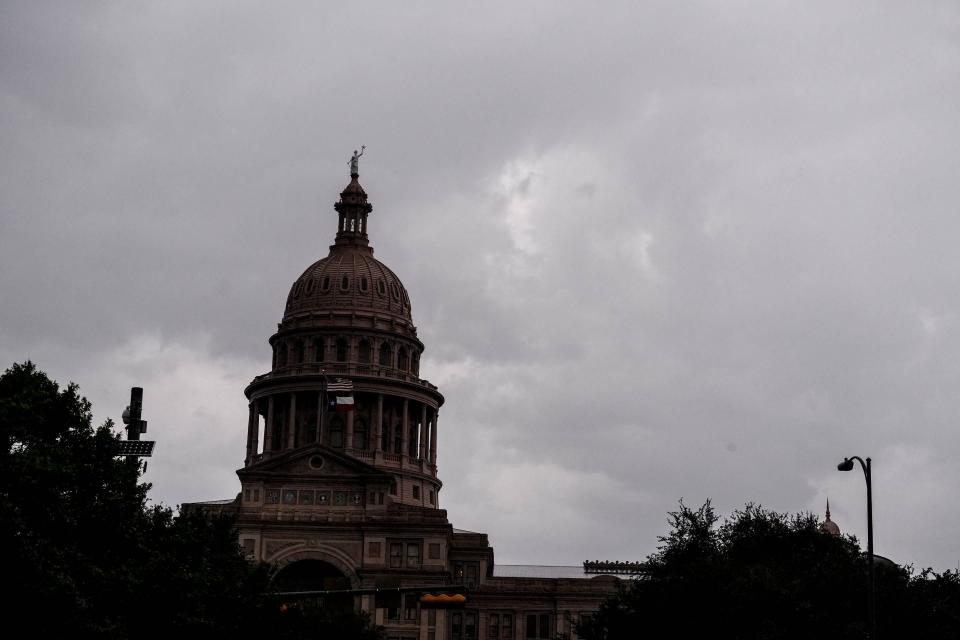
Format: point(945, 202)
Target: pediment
point(314, 461)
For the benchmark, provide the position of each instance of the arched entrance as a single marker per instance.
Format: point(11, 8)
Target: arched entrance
point(315, 575)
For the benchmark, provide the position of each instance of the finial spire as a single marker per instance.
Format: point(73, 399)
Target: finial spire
point(828, 508)
point(355, 162)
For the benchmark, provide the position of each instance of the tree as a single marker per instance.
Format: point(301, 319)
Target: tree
point(762, 574)
point(86, 555)
point(71, 512)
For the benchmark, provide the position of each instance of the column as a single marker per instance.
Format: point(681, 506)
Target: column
point(379, 425)
point(405, 436)
point(292, 421)
point(423, 431)
point(252, 432)
point(433, 438)
point(321, 409)
point(268, 430)
point(348, 443)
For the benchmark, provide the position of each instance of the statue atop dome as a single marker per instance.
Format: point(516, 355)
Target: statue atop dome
point(355, 162)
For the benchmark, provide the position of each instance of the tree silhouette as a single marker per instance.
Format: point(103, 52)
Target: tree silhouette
point(766, 575)
point(87, 557)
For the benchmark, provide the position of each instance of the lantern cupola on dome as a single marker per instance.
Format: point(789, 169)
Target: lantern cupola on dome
point(353, 209)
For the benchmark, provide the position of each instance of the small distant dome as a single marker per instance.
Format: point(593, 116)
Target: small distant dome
point(828, 525)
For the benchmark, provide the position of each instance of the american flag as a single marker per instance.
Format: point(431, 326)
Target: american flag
point(340, 385)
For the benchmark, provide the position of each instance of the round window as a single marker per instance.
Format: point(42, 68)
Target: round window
point(316, 462)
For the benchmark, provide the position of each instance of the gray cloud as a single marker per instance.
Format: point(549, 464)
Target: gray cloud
point(660, 251)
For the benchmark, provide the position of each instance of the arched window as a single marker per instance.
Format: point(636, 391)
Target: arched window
point(360, 435)
point(298, 352)
point(415, 361)
point(344, 283)
point(341, 350)
point(381, 288)
point(282, 354)
point(325, 285)
point(386, 355)
point(402, 359)
point(318, 354)
point(398, 438)
point(364, 354)
point(364, 284)
point(336, 432)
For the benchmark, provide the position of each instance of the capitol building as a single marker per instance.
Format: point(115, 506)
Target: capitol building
point(339, 489)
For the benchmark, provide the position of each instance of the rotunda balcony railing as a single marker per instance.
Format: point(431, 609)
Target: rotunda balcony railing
point(334, 369)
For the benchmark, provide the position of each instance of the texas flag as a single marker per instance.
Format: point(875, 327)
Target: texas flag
point(341, 403)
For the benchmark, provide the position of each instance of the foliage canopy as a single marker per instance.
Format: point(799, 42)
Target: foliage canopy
point(89, 557)
point(765, 575)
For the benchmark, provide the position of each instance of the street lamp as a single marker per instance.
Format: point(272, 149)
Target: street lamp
point(847, 465)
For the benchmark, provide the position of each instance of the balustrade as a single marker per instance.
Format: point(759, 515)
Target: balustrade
point(344, 369)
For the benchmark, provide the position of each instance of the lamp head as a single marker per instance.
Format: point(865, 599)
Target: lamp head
point(846, 465)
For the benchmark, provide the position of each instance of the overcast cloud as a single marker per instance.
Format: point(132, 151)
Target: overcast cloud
point(655, 250)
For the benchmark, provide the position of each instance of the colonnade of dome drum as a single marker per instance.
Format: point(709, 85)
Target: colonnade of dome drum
point(381, 424)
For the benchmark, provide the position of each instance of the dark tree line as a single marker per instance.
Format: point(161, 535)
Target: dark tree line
point(86, 556)
point(764, 575)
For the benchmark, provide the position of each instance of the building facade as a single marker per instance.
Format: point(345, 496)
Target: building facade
point(349, 500)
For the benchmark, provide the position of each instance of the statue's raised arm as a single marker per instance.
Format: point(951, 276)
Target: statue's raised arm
point(355, 161)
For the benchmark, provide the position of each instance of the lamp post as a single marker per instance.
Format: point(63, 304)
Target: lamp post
point(847, 465)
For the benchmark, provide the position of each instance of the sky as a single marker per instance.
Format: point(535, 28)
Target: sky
point(656, 251)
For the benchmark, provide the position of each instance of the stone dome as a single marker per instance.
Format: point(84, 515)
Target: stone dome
point(348, 279)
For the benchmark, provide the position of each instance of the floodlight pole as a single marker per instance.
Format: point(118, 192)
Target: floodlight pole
point(133, 448)
point(136, 408)
point(847, 465)
point(133, 421)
